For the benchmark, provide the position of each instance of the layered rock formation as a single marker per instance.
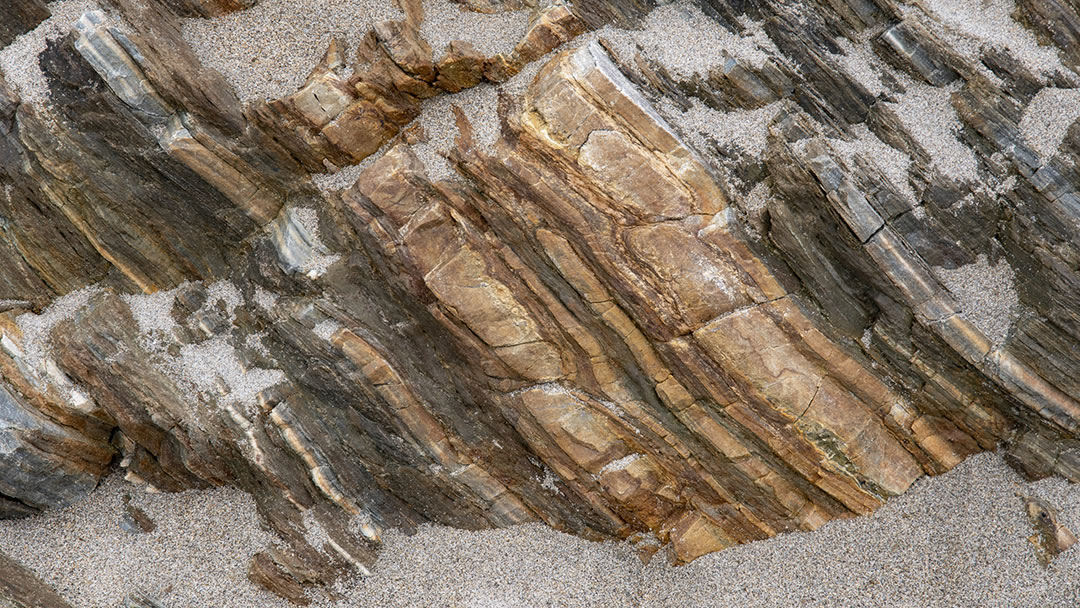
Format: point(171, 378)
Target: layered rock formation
point(719, 271)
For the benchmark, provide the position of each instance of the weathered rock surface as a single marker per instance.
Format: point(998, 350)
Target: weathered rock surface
point(705, 300)
point(19, 588)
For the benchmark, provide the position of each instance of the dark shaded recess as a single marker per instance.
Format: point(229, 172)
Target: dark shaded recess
point(205, 8)
point(726, 12)
point(20, 16)
point(13, 508)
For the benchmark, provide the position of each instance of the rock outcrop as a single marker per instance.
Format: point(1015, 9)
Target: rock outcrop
point(720, 271)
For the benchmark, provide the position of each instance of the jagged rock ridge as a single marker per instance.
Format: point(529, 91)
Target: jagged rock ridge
point(705, 292)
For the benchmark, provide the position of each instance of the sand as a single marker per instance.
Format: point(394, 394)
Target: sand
point(19, 60)
point(959, 539)
point(1047, 117)
point(344, 177)
point(868, 148)
point(986, 294)
point(196, 558)
point(480, 104)
point(927, 113)
point(973, 25)
point(268, 50)
point(210, 369)
point(738, 131)
point(955, 540)
point(34, 351)
point(683, 39)
point(446, 21)
point(862, 65)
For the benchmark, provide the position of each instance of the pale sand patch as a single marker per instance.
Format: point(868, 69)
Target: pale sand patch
point(19, 60)
point(747, 130)
point(862, 65)
point(35, 329)
point(989, 23)
point(197, 557)
point(344, 177)
point(1047, 117)
point(758, 197)
point(491, 34)
point(523, 566)
point(927, 113)
point(959, 539)
point(887, 159)
point(986, 294)
point(480, 104)
point(687, 42)
point(208, 369)
point(268, 50)
point(34, 352)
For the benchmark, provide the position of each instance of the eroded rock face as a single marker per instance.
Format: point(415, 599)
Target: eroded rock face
point(706, 301)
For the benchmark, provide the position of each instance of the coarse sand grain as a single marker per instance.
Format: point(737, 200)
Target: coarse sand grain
point(214, 365)
point(326, 329)
point(445, 21)
point(1048, 116)
point(19, 60)
point(153, 314)
point(265, 299)
point(986, 294)
point(345, 177)
point(758, 197)
point(35, 348)
point(35, 328)
point(959, 539)
point(519, 83)
point(208, 369)
point(268, 50)
point(529, 565)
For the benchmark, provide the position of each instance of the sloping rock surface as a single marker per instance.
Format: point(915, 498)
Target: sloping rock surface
point(714, 271)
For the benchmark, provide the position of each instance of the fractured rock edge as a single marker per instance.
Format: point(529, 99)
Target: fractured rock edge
point(565, 323)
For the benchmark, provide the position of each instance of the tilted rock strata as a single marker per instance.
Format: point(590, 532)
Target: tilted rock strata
point(613, 321)
point(19, 588)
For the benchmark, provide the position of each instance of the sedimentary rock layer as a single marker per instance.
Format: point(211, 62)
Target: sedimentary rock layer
point(718, 271)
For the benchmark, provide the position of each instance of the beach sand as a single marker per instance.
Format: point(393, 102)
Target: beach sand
point(959, 539)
